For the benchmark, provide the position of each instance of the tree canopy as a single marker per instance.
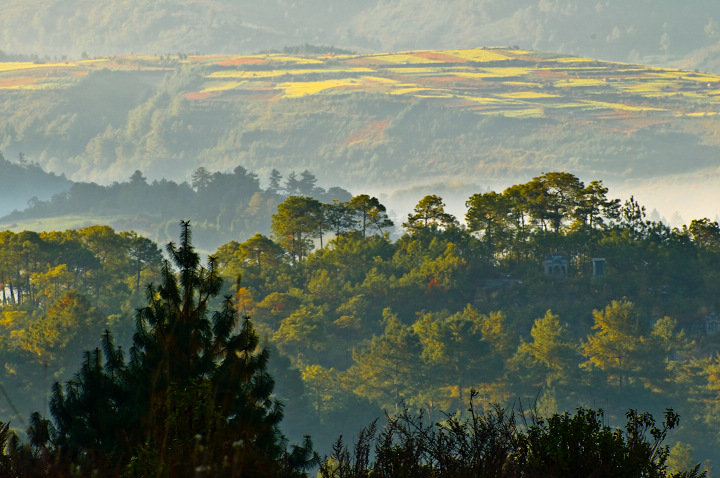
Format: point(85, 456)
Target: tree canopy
point(193, 392)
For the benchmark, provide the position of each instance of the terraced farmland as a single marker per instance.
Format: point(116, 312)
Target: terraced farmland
point(488, 81)
point(484, 116)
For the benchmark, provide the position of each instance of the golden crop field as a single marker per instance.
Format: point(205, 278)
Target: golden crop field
point(570, 82)
point(621, 106)
point(573, 60)
point(530, 84)
point(14, 66)
point(297, 89)
point(528, 95)
point(525, 113)
point(485, 100)
point(479, 55)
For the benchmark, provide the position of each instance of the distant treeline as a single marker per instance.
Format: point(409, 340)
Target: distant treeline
point(22, 180)
point(608, 30)
point(222, 205)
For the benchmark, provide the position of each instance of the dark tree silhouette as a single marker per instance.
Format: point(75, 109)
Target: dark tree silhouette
point(195, 393)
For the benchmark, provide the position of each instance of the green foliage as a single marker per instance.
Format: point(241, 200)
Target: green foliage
point(224, 205)
point(494, 444)
point(298, 218)
point(373, 323)
point(551, 354)
point(386, 372)
point(364, 322)
point(195, 392)
point(581, 445)
point(369, 213)
point(429, 213)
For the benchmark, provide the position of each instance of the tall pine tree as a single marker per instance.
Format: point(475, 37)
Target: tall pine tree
point(193, 399)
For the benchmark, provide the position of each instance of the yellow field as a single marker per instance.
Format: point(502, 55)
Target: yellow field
point(403, 59)
point(478, 54)
point(622, 106)
point(702, 78)
point(521, 83)
point(574, 68)
point(569, 82)
point(527, 95)
point(509, 71)
point(95, 61)
point(297, 89)
point(525, 113)
point(484, 100)
point(289, 59)
point(572, 60)
point(493, 73)
point(516, 91)
point(13, 66)
point(642, 88)
point(498, 95)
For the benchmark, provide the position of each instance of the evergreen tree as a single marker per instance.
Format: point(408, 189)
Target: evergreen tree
point(370, 213)
point(194, 395)
point(429, 212)
point(201, 179)
point(298, 218)
point(274, 182)
point(489, 214)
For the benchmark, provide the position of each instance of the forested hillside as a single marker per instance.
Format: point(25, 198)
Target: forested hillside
point(23, 184)
point(222, 206)
point(379, 122)
point(655, 33)
point(554, 293)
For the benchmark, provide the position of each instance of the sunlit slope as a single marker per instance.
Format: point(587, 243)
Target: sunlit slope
point(361, 120)
point(488, 81)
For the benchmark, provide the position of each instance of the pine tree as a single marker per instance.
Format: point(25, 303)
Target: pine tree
point(194, 396)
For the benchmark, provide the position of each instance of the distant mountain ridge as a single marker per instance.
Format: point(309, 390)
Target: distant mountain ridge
point(23, 183)
point(662, 32)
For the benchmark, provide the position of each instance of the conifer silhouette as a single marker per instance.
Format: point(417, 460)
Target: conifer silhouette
point(194, 398)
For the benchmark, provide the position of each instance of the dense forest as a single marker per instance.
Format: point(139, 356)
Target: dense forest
point(222, 206)
point(550, 294)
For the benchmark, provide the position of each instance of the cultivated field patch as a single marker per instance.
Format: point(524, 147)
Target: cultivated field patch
point(509, 82)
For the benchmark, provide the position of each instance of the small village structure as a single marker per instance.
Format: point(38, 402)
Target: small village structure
point(556, 266)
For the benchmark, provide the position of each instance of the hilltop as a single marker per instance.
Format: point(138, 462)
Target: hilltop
point(659, 33)
point(24, 184)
